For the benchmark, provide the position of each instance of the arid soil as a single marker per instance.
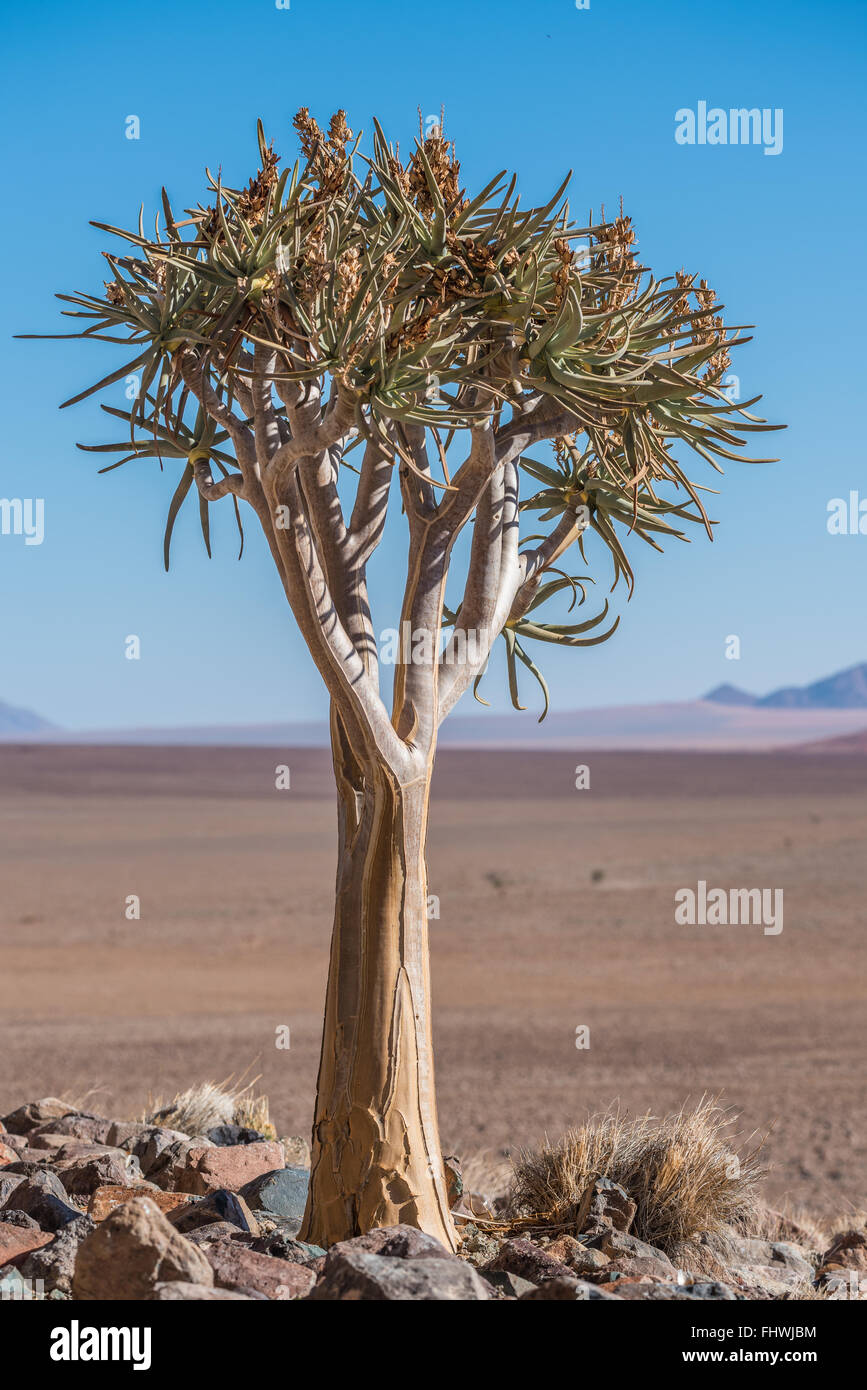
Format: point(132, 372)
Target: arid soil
point(556, 911)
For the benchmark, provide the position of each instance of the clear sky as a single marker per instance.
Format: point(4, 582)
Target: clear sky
point(541, 88)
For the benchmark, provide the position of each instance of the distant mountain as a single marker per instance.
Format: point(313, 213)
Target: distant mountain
point(21, 721)
point(731, 695)
point(845, 690)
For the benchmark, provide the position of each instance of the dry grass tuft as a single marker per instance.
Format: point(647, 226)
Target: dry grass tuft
point(689, 1183)
point(212, 1103)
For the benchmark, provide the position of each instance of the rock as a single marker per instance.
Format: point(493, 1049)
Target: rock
point(156, 1147)
point(83, 1176)
point(8, 1184)
point(393, 1242)
point(222, 1206)
point(132, 1250)
point(479, 1246)
point(235, 1266)
point(124, 1134)
point(54, 1263)
point(37, 1112)
point(20, 1218)
point(639, 1292)
point(16, 1241)
point(43, 1197)
point(209, 1170)
point(618, 1244)
point(15, 1141)
point(281, 1193)
point(842, 1285)
point(794, 1257)
point(7, 1154)
point(284, 1247)
point(523, 1257)
point(76, 1126)
point(219, 1230)
point(507, 1285)
point(848, 1250)
point(581, 1259)
point(226, 1135)
point(179, 1292)
point(454, 1180)
point(566, 1291)
point(636, 1267)
point(107, 1199)
point(605, 1203)
point(355, 1275)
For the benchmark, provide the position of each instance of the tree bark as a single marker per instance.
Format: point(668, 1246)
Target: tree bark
point(376, 1158)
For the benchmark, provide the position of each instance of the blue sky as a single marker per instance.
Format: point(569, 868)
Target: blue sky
point(539, 87)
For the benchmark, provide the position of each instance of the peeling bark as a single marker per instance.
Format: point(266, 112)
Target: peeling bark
point(376, 1158)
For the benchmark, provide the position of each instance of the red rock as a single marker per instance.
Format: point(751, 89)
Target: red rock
point(15, 1241)
point(107, 1198)
point(236, 1267)
point(229, 1166)
point(7, 1154)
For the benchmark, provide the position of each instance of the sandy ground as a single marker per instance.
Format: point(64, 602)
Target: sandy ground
point(556, 911)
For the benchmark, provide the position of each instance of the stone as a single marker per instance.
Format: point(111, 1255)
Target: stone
point(37, 1112)
point(235, 1266)
point(566, 1291)
point(523, 1257)
point(280, 1193)
point(394, 1242)
point(132, 1250)
point(507, 1285)
point(43, 1197)
point(636, 1267)
point(156, 1147)
point(222, 1206)
point(105, 1200)
point(581, 1259)
point(618, 1244)
point(225, 1135)
point(848, 1250)
point(605, 1203)
point(179, 1292)
point(454, 1179)
point(7, 1154)
point(794, 1257)
point(219, 1230)
point(16, 1241)
point(54, 1263)
point(124, 1134)
point(209, 1170)
point(83, 1176)
point(284, 1247)
point(15, 1141)
point(76, 1126)
point(20, 1218)
point(8, 1184)
point(638, 1292)
point(356, 1275)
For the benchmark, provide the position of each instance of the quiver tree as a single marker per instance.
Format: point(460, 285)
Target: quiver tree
point(361, 325)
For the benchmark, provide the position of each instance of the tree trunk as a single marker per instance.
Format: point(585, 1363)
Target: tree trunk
point(376, 1157)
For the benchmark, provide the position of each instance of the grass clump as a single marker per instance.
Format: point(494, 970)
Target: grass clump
point(690, 1185)
point(212, 1103)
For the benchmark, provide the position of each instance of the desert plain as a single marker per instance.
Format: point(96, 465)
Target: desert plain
point(556, 924)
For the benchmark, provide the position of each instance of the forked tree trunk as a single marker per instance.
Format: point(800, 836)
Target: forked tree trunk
point(376, 1157)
